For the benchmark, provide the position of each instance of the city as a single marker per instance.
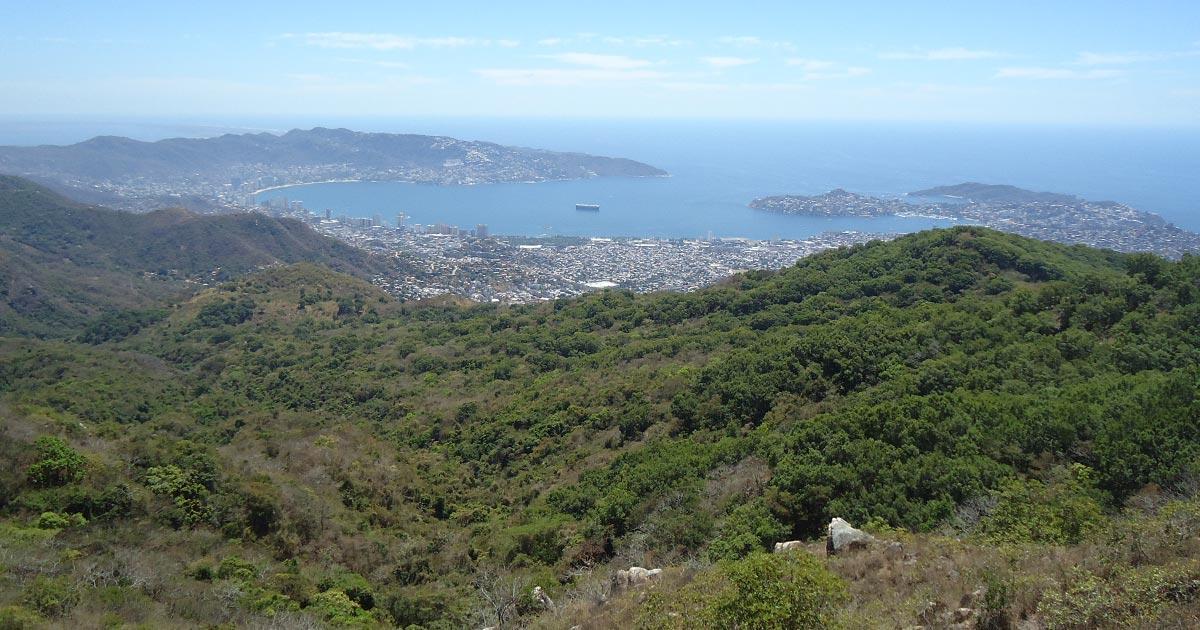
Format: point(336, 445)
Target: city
point(436, 260)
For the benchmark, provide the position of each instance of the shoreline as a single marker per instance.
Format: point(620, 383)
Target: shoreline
point(405, 181)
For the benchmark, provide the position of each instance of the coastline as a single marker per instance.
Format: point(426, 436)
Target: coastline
point(407, 181)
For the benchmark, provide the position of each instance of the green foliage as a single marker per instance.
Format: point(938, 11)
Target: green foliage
point(540, 541)
point(224, 313)
point(760, 591)
point(235, 568)
point(1063, 511)
point(54, 520)
point(337, 609)
point(57, 464)
point(50, 596)
point(748, 528)
point(1131, 596)
point(187, 493)
point(389, 450)
point(355, 586)
point(19, 618)
point(118, 325)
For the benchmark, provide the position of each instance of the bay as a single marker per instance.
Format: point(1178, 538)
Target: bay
point(717, 167)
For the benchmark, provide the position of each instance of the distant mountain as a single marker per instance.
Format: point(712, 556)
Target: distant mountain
point(993, 193)
point(210, 166)
point(64, 263)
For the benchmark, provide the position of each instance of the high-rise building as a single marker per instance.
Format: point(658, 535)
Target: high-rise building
point(481, 231)
point(401, 218)
point(328, 213)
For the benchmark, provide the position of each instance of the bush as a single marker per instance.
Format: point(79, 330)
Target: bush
point(336, 608)
point(749, 527)
point(1126, 598)
point(19, 618)
point(235, 568)
point(51, 596)
point(1062, 512)
point(762, 591)
point(54, 520)
point(355, 586)
point(57, 463)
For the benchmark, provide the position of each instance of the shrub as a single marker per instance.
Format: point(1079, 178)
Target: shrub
point(235, 568)
point(1126, 598)
point(186, 492)
point(57, 463)
point(749, 527)
point(761, 591)
point(772, 591)
point(54, 520)
point(50, 596)
point(336, 608)
point(1063, 511)
point(19, 618)
point(355, 586)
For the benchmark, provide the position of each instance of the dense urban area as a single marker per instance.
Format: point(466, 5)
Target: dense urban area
point(435, 260)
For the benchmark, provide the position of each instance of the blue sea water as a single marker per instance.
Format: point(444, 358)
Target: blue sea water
point(717, 167)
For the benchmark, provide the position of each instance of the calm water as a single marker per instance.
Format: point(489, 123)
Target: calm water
point(717, 167)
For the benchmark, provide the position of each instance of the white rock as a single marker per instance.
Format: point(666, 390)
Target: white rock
point(788, 545)
point(843, 536)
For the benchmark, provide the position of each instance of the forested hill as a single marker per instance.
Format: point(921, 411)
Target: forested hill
point(66, 262)
point(294, 446)
point(320, 151)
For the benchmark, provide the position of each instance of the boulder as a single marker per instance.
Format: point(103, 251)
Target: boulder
point(788, 546)
point(542, 598)
point(635, 576)
point(843, 537)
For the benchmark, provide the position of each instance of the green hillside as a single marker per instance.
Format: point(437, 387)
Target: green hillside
point(66, 263)
point(295, 447)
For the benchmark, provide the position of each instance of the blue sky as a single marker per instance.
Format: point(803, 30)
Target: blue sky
point(1004, 62)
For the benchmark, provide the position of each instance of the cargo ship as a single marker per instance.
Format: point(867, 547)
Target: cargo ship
point(587, 207)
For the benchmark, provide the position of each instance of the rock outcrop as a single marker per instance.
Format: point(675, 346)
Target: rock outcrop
point(635, 576)
point(788, 545)
point(843, 537)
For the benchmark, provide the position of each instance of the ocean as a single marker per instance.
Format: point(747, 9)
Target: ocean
point(717, 167)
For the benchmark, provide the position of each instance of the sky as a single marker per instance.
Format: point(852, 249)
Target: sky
point(1017, 61)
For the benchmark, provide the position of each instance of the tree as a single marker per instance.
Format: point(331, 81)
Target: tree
point(57, 463)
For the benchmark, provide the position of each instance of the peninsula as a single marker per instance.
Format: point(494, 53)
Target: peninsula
point(1043, 215)
point(221, 173)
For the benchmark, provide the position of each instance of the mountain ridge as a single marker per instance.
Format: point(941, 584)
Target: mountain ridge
point(206, 166)
point(67, 262)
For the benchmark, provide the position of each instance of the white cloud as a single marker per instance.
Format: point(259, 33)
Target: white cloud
point(380, 63)
point(640, 41)
point(603, 62)
point(752, 41)
point(564, 76)
point(383, 41)
point(944, 54)
point(1120, 59)
point(643, 41)
point(1036, 72)
point(507, 43)
point(722, 63)
point(810, 65)
point(848, 73)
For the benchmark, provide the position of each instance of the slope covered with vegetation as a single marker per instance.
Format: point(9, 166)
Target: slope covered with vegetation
point(63, 263)
point(296, 447)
